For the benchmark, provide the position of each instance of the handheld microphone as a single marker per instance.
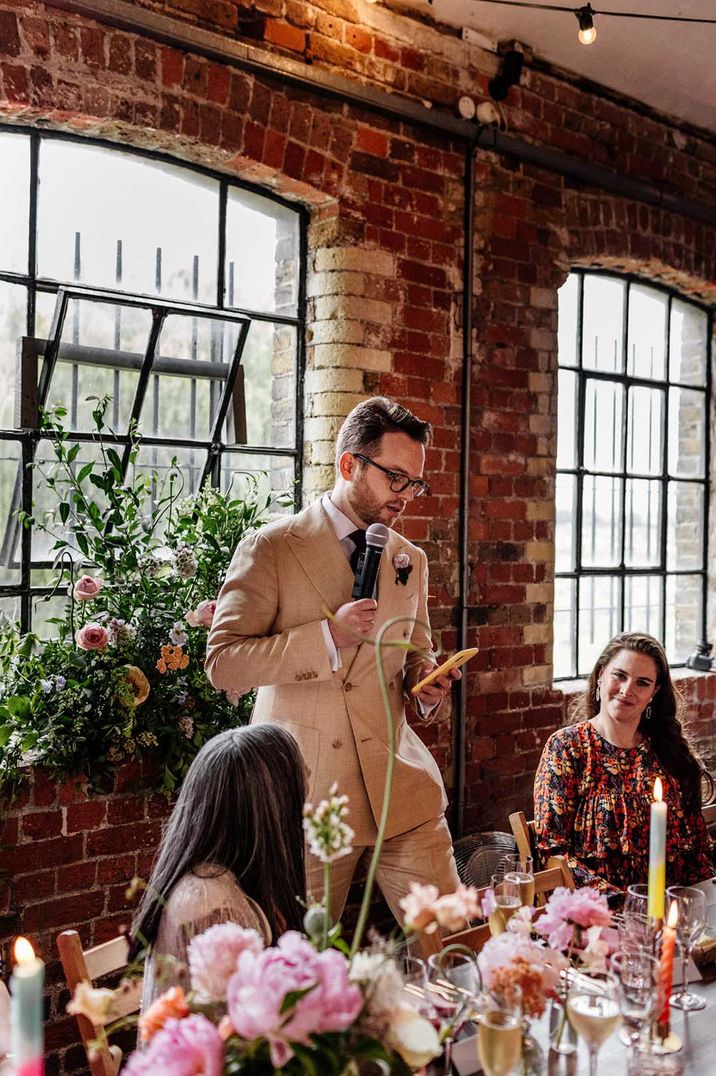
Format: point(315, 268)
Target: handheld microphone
point(376, 537)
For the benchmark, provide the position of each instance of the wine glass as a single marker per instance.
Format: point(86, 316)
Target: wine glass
point(507, 898)
point(691, 903)
point(637, 977)
point(499, 1034)
point(635, 928)
point(594, 1017)
point(451, 983)
point(523, 868)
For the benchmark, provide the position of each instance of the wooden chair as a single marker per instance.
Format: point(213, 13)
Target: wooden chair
point(88, 965)
point(558, 874)
point(524, 834)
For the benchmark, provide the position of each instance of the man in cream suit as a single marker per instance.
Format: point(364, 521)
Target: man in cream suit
point(285, 624)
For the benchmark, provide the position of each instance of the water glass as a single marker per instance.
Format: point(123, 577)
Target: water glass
point(637, 977)
point(691, 903)
point(451, 984)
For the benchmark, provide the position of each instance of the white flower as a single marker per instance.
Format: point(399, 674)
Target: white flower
point(594, 955)
point(382, 985)
point(119, 631)
point(178, 636)
point(412, 1036)
point(92, 1002)
point(46, 686)
point(157, 564)
point(401, 560)
point(185, 562)
point(329, 836)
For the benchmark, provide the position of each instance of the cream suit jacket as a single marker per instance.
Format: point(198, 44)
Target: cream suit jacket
point(266, 634)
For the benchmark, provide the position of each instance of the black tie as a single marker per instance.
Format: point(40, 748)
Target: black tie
point(358, 538)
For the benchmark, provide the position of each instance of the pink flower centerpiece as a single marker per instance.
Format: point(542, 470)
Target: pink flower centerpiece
point(579, 924)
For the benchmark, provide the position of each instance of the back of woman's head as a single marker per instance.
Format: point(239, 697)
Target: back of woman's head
point(240, 809)
point(660, 723)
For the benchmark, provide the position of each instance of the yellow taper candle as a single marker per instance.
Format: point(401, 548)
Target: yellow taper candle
point(657, 854)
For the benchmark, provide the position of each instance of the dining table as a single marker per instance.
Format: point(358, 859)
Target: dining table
point(696, 1030)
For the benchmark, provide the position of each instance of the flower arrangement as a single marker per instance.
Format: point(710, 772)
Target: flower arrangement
point(141, 565)
point(578, 923)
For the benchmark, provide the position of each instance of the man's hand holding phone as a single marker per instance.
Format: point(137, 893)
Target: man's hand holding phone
point(437, 680)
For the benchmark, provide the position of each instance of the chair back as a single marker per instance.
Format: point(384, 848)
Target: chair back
point(88, 965)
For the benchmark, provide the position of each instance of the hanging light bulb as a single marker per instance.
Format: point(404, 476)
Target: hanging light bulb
point(585, 17)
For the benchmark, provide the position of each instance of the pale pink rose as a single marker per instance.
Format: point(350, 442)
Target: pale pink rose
point(499, 952)
point(86, 588)
point(453, 909)
point(185, 1047)
point(569, 909)
point(419, 907)
point(256, 993)
point(203, 615)
point(213, 957)
point(92, 637)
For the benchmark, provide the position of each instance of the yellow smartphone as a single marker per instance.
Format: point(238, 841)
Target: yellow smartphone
point(453, 662)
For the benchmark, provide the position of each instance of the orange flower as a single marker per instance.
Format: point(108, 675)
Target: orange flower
point(173, 658)
point(173, 1003)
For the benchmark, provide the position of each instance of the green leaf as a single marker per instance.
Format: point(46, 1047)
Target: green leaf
point(5, 734)
point(19, 706)
point(86, 470)
point(73, 453)
point(293, 997)
point(64, 511)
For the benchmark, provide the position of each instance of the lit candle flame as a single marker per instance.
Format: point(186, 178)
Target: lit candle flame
point(23, 951)
point(673, 914)
point(658, 791)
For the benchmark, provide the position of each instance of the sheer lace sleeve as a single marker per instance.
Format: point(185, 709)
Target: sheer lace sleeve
point(200, 900)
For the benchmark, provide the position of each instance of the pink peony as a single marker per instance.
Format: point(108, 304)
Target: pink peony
point(86, 588)
point(203, 615)
point(419, 907)
point(501, 951)
point(567, 909)
point(213, 957)
point(453, 910)
point(188, 1047)
point(92, 637)
point(256, 993)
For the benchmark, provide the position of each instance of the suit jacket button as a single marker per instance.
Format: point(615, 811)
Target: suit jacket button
point(337, 744)
point(348, 686)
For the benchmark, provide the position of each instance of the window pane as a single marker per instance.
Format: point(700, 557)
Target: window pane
point(599, 616)
point(567, 419)
point(269, 383)
point(10, 457)
point(93, 333)
point(564, 633)
point(645, 431)
point(14, 201)
point(47, 608)
point(183, 477)
point(10, 608)
point(685, 526)
point(565, 529)
point(46, 501)
point(642, 604)
point(642, 523)
point(684, 626)
point(13, 325)
point(165, 218)
point(601, 522)
point(687, 355)
point(647, 332)
point(568, 296)
point(262, 252)
point(275, 476)
point(603, 426)
point(603, 324)
point(687, 433)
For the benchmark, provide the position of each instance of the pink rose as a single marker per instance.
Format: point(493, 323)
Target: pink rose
point(92, 637)
point(419, 907)
point(256, 993)
point(203, 615)
point(213, 956)
point(87, 588)
point(454, 909)
point(183, 1048)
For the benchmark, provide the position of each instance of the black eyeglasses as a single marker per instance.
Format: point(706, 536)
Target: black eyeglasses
point(398, 482)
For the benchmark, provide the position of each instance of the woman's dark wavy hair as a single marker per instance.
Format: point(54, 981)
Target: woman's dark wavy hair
point(240, 808)
point(663, 729)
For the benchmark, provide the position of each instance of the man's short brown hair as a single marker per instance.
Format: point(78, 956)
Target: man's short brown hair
point(369, 421)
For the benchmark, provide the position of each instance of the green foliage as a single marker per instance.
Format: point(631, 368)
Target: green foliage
point(158, 555)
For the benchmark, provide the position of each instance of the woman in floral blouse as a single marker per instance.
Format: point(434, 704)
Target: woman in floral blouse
point(595, 781)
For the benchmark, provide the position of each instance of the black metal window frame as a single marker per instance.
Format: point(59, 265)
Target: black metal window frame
point(160, 307)
point(622, 571)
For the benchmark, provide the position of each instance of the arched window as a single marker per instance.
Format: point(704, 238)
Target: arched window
point(175, 290)
point(632, 468)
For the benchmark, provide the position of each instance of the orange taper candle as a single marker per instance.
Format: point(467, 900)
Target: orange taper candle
point(668, 941)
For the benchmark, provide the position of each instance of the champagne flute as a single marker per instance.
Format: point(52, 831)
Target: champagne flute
point(594, 1017)
point(691, 903)
point(637, 977)
point(507, 898)
point(451, 983)
point(499, 1034)
point(523, 867)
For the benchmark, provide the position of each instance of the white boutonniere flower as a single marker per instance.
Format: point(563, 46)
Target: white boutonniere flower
point(403, 566)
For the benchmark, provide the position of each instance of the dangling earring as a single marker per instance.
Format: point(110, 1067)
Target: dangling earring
point(647, 713)
point(597, 694)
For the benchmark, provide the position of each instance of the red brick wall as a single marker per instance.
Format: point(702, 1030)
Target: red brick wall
point(386, 202)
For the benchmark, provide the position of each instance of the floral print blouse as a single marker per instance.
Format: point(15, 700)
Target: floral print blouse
point(592, 803)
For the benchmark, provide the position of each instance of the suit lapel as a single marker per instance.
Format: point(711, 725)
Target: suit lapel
point(313, 542)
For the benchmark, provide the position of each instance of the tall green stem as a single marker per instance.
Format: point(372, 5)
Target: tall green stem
point(326, 903)
point(373, 866)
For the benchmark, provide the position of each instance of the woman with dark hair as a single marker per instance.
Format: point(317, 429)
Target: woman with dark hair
point(595, 780)
point(233, 850)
